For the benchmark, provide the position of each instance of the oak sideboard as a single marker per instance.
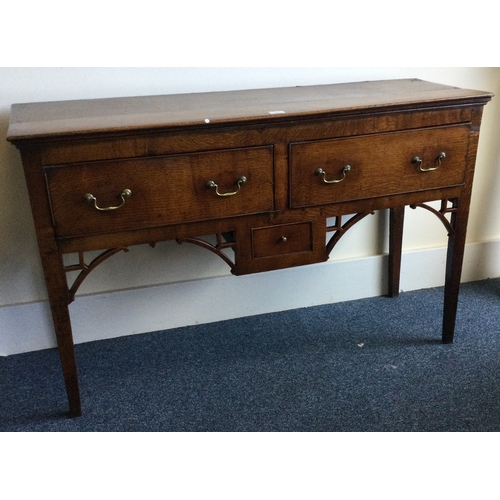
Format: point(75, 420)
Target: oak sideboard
point(274, 176)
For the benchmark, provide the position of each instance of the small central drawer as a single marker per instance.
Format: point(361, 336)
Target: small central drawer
point(114, 195)
point(282, 239)
point(368, 166)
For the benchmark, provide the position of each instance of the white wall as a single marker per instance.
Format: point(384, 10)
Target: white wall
point(22, 289)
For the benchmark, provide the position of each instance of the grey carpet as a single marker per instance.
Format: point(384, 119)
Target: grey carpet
point(367, 365)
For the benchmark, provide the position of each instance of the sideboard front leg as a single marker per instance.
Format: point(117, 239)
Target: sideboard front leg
point(54, 273)
point(59, 300)
point(454, 262)
point(396, 222)
point(62, 325)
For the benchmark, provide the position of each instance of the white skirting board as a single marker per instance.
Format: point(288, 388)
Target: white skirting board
point(28, 327)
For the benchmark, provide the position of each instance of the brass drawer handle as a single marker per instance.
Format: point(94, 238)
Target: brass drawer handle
point(90, 198)
point(321, 173)
point(416, 159)
point(212, 185)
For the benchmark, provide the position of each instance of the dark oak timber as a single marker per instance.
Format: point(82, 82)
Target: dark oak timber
point(396, 222)
point(260, 171)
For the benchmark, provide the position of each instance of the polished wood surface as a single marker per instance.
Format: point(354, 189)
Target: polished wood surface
point(267, 105)
point(261, 170)
point(164, 190)
point(378, 165)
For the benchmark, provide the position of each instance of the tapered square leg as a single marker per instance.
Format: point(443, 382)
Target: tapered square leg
point(59, 300)
point(396, 223)
point(454, 263)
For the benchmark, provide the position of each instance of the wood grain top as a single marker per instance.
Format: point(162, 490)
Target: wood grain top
point(117, 115)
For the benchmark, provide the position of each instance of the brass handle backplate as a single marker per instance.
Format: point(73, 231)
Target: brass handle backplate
point(440, 157)
point(321, 173)
point(90, 198)
point(212, 185)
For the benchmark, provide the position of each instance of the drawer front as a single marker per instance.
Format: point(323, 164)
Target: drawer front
point(282, 239)
point(163, 190)
point(368, 166)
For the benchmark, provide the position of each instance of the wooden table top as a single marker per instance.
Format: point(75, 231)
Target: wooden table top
point(274, 105)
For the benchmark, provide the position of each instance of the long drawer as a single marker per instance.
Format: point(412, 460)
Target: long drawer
point(336, 170)
point(106, 196)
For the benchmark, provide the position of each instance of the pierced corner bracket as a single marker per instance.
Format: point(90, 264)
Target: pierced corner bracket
point(340, 229)
point(447, 207)
point(224, 240)
point(86, 269)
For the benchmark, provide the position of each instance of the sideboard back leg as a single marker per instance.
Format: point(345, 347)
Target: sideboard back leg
point(396, 222)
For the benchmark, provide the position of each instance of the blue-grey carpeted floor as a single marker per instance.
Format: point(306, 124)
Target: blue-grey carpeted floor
point(368, 365)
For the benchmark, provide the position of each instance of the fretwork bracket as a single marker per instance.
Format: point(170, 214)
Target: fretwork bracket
point(86, 269)
point(224, 241)
point(340, 229)
point(447, 207)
